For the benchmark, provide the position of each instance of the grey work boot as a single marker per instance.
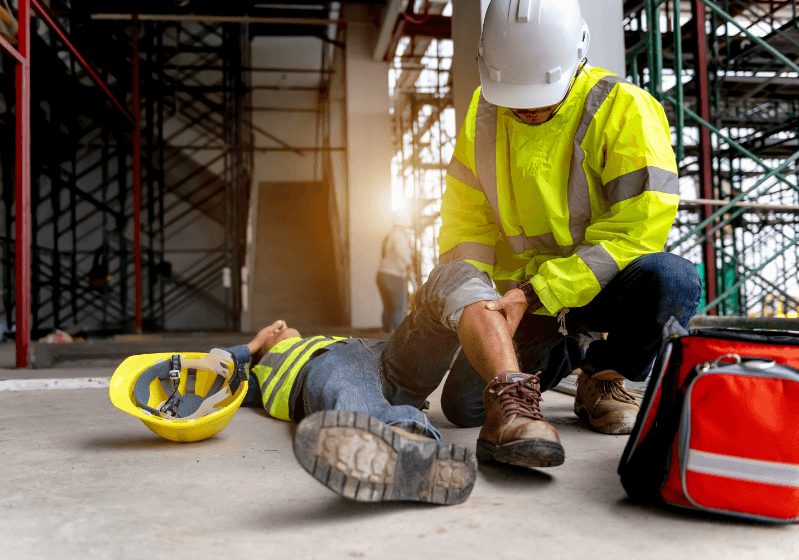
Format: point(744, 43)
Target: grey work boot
point(514, 431)
point(602, 402)
point(363, 459)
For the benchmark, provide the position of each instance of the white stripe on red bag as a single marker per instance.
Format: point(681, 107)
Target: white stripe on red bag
point(767, 472)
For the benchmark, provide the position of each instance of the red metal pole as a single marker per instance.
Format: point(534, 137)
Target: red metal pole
point(23, 189)
point(709, 249)
point(136, 173)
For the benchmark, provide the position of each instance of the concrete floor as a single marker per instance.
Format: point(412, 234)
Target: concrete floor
point(85, 480)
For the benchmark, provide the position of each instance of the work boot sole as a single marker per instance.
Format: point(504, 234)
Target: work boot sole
point(363, 459)
point(523, 453)
point(611, 423)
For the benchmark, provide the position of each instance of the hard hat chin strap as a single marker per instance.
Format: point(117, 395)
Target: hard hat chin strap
point(190, 405)
point(579, 71)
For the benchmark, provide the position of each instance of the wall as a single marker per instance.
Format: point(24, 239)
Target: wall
point(294, 128)
point(467, 17)
point(369, 154)
point(297, 129)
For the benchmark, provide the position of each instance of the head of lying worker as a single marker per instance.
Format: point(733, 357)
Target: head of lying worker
point(268, 337)
point(530, 54)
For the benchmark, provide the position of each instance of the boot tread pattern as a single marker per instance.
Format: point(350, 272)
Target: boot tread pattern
point(363, 459)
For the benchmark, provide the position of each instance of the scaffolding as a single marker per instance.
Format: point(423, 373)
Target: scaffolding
point(423, 131)
point(86, 259)
point(727, 74)
point(126, 158)
point(136, 129)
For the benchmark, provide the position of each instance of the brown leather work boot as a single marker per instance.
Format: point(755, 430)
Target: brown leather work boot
point(514, 431)
point(602, 402)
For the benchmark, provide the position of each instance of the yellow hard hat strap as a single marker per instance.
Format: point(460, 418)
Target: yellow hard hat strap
point(190, 405)
point(186, 405)
point(216, 360)
point(208, 404)
point(167, 371)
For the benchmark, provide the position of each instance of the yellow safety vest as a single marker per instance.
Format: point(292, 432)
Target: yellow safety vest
point(279, 368)
point(568, 203)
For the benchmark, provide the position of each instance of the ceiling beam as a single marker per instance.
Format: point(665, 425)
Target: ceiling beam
point(390, 16)
point(222, 19)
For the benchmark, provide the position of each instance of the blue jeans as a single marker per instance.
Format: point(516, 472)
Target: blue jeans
point(345, 376)
point(394, 293)
point(632, 308)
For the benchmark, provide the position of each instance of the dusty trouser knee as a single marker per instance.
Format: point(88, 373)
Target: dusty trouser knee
point(421, 350)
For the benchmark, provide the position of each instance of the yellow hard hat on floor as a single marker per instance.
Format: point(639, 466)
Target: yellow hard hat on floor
point(182, 397)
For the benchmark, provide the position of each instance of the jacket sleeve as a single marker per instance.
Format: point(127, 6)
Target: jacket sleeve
point(628, 152)
point(468, 230)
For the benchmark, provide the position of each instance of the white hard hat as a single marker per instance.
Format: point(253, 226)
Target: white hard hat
point(530, 50)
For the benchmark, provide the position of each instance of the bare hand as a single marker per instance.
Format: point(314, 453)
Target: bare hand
point(513, 305)
point(266, 337)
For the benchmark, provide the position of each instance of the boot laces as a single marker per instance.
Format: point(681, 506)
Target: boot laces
point(614, 390)
point(521, 397)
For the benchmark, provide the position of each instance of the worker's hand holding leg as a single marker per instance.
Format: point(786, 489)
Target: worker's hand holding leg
point(512, 305)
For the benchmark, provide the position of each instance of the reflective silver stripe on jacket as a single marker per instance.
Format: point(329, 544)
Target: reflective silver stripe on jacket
point(597, 258)
point(485, 163)
point(579, 196)
point(630, 184)
point(458, 170)
point(469, 250)
point(485, 155)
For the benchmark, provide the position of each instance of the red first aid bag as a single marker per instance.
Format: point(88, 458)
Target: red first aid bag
point(718, 429)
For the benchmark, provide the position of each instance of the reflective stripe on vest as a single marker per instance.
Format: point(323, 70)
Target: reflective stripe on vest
point(596, 257)
point(469, 250)
point(278, 372)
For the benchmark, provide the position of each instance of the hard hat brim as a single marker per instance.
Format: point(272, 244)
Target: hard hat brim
point(524, 96)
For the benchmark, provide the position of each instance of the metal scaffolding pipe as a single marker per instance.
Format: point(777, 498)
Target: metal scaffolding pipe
point(225, 19)
point(134, 33)
point(44, 13)
point(22, 191)
point(749, 205)
point(705, 163)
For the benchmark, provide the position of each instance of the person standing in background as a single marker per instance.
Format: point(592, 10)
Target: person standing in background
point(396, 268)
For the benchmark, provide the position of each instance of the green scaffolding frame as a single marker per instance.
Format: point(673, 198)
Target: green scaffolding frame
point(738, 175)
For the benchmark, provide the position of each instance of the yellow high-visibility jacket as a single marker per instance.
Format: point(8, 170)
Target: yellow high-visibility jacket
point(568, 203)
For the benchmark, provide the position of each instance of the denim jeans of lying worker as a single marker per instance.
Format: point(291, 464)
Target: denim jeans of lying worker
point(346, 376)
point(632, 309)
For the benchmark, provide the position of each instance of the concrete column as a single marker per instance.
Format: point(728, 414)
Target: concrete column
point(467, 18)
point(603, 17)
point(369, 159)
